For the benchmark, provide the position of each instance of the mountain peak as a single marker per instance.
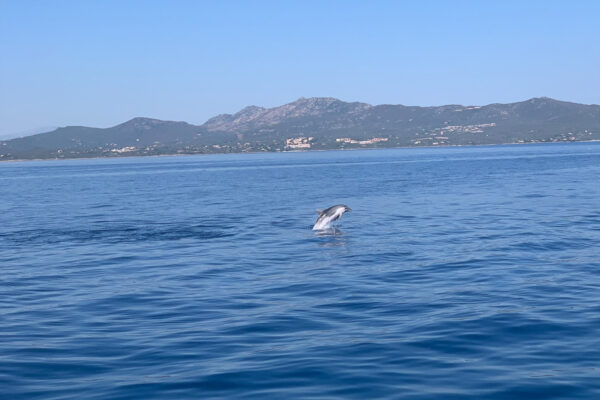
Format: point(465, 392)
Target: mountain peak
point(269, 116)
point(314, 101)
point(148, 123)
point(254, 116)
point(249, 111)
point(252, 109)
point(141, 122)
point(542, 99)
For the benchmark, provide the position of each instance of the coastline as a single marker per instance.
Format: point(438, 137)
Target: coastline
point(296, 151)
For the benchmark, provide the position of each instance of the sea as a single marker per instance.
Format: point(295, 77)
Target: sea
point(461, 273)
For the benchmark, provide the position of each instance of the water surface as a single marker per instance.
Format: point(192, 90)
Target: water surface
point(462, 273)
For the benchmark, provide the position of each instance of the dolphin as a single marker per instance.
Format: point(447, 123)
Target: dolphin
point(326, 217)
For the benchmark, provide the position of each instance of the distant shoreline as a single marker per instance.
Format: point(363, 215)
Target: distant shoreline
point(297, 151)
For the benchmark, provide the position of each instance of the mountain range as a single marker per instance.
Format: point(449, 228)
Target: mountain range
point(320, 123)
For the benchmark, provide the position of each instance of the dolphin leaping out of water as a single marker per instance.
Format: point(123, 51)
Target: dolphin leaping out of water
point(326, 217)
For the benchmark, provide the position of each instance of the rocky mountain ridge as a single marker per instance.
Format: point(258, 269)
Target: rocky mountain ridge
point(321, 123)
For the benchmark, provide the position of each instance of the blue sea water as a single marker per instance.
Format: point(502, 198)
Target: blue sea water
point(462, 273)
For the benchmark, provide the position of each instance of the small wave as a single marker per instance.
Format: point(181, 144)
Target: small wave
point(118, 234)
point(532, 196)
point(550, 245)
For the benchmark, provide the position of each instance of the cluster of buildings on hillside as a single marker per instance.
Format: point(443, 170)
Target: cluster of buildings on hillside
point(298, 143)
point(354, 141)
point(126, 149)
point(466, 128)
point(305, 142)
point(439, 136)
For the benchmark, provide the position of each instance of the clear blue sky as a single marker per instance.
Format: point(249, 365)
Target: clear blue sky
point(99, 63)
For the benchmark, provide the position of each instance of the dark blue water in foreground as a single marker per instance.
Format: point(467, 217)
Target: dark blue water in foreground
point(462, 273)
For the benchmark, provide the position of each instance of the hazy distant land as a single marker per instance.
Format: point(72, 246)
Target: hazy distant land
point(320, 124)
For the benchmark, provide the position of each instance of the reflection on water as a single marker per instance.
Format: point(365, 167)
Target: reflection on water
point(332, 241)
point(333, 231)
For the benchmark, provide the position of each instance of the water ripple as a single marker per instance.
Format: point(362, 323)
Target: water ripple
point(464, 273)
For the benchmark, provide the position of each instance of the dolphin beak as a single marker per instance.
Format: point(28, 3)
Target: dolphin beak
point(348, 209)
